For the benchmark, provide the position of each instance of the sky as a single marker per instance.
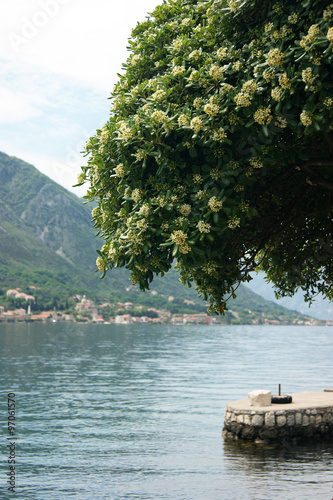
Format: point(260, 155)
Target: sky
point(59, 61)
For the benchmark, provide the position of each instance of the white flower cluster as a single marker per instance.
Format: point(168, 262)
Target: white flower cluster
point(126, 133)
point(293, 18)
point(214, 204)
point(201, 194)
point(215, 173)
point(136, 195)
point(81, 178)
point(256, 162)
point(328, 13)
point(222, 53)
point(144, 210)
point(183, 121)
point(305, 118)
point(185, 209)
point(178, 70)
point(196, 124)
point(177, 45)
point(209, 268)
point(219, 135)
point(140, 154)
point(142, 224)
point(268, 27)
point(244, 206)
point(203, 226)
point(194, 76)
point(328, 102)
point(284, 81)
point(225, 88)
point(161, 201)
point(136, 59)
point(95, 212)
point(112, 252)
point(237, 66)
point(281, 122)
point(268, 75)
point(197, 103)
point(275, 58)
point(211, 109)
point(159, 95)
point(249, 87)
point(120, 170)
point(216, 72)
point(187, 21)
point(276, 93)
point(159, 116)
point(195, 55)
point(105, 136)
point(179, 238)
point(100, 263)
point(179, 221)
point(263, 116)
point(197, 179)
point(311, 37)
point(234, 222)
point(308, 76)
point(242, 99)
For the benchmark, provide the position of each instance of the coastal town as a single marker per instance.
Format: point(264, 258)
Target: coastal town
point(126, 313)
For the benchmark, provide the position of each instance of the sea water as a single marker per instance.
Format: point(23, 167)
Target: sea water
point(136, 411)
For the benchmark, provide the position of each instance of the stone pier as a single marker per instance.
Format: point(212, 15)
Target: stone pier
point(310, 415)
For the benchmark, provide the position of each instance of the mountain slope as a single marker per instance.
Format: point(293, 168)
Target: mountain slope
point(321, 308)
point(37, 205)
point(46, 230)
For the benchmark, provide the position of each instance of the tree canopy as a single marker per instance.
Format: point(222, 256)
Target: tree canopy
point(218, 152)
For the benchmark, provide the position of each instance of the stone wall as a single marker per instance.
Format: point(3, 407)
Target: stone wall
point(275, 425)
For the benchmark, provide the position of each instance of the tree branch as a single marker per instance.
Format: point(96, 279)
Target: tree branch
point(317, 163)
point(329, 140)
point(315, 178)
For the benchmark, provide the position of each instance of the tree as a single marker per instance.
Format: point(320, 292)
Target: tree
point(218, 151)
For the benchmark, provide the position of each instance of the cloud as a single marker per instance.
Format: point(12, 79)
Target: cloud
point(24, 94)
point(14, 108)
point(47, 115)
point(82, 40)
point(59, 61)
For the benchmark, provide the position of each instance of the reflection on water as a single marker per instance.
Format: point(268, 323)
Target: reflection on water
point(304, 470)
point(117, 412)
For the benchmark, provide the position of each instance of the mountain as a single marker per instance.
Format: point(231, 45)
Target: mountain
point(32, 215)
point(46, 235)
point(321, 308)
point(47, 239)
point(45, 230)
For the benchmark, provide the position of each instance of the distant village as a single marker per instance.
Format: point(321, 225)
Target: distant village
point(86, 311)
